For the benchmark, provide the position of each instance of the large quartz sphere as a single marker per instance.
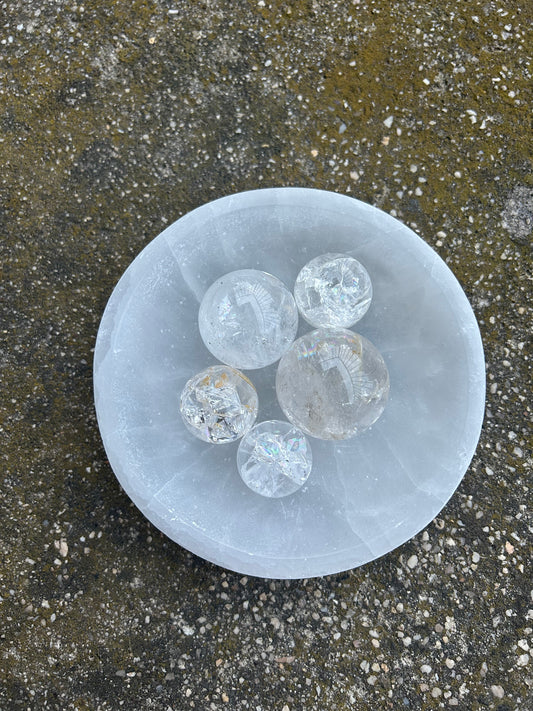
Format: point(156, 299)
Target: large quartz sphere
point(332, 383)
point(248, 319)
point(333, 290)
point(219, 404)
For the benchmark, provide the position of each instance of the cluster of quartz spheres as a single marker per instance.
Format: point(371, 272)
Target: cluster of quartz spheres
point(331, 383)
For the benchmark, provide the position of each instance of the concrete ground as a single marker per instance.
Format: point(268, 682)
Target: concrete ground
point(117, 118)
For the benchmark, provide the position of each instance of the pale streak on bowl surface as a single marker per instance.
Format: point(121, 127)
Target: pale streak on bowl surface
point(365, 496)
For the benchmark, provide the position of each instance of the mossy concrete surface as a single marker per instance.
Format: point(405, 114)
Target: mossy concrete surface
point(117, 118)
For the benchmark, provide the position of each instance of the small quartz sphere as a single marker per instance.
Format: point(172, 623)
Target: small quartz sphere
point(332, 383)
point(248, 319)
point(333, 290)
point(219, 404)
point(274, 459)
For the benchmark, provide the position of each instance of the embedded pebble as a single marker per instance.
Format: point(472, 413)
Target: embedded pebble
point(412, 562)
point(497, 691)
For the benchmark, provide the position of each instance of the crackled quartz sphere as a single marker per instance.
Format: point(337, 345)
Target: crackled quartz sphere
point(274, 459)
point(248, 319)
point(333, 290)
point(219, 404)
point(332, 383)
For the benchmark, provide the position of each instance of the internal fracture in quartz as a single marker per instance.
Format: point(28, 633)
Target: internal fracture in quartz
point(332, 383)
point(248, 319)
point(274, 459)
point(219, 404)
point(333, 290)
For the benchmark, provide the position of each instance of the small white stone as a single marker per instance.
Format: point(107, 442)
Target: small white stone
point(388, 121)
point(412, 562)
point(497, 691)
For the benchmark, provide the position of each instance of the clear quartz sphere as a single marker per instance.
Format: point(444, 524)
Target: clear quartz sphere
point(274, 459)
point(333, 290)
point(248, 319)
point(332, 383)
point(219, 404)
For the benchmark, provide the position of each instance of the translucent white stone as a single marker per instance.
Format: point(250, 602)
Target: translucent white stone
point(274, 459)
point(366, 495)
point(248, 319)
point(332, 383)
point(333, 290)
point(219, 404)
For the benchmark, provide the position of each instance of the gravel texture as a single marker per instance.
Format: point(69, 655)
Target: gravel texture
point(117, 118)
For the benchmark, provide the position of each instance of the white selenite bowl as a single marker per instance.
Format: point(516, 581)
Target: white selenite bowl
point(365, 496)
